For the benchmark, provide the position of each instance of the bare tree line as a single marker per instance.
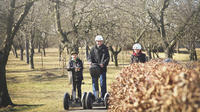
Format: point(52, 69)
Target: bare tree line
point(77, 22)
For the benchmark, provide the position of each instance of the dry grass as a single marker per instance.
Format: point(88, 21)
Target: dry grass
point(38, 93)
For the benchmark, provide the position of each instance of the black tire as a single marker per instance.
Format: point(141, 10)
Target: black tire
point(89, 100)
point(83, 102)
point(66, 101)
point(106, 96)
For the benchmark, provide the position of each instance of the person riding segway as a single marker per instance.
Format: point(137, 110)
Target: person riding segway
point(75, 65)
point(98, 60)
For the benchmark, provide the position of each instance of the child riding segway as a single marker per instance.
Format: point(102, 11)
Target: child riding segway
point(76, 67)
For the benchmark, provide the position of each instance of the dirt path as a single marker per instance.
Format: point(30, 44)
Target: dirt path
point(95, 109)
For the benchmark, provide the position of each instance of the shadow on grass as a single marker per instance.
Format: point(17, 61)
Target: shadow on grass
point(47, 77)
point(19, 107)
point(13, 79)
point(23, 71)
point(182, 52)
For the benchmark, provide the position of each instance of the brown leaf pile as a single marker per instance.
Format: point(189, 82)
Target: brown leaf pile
point(156, 86)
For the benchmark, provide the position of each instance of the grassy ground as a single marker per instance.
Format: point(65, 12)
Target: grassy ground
point(39, 91)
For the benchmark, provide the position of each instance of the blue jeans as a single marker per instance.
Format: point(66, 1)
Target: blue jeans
point(95, 85)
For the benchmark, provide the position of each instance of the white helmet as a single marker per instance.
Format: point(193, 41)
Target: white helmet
point(98, 38)
point(137, 46)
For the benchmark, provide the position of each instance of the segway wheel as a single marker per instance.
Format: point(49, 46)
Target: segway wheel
point(89, 100)
point(83, 102)
point(106, 96)
point(66, 101)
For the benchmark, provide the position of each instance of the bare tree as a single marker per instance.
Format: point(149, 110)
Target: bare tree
point(161, 27)
point(5, 48)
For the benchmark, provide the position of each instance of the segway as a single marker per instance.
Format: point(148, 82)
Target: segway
point(68, 102)
point(91, 102)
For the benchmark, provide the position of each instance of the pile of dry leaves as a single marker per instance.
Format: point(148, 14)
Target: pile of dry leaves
point(156, 86)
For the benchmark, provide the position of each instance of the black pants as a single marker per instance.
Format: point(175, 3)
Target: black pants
point(77, 85)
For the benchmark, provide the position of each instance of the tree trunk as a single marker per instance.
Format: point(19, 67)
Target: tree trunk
point(44, 52)
point(14, 49)
point(60, 52)
point(87, 50)
point(21, 53)
point(39, 46)
point(192, 51)
point(5, 99)
point(116, 60)
point(58, 23)
point(177, 47)
point(32, 49)
point(169, 53)
point(112, 57)
point(149, 54)
point(193, 55)
point(115, 54)
point(31, 58)
point(27, 49)
point(149, 51)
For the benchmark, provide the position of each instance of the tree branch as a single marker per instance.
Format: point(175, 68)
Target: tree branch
point(58, 24)
point(140, 36)
point(21, 18)
point(180, 32)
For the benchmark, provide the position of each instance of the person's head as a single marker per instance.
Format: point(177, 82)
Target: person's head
point(74, 55)
point(99, 40)
point(137, 48)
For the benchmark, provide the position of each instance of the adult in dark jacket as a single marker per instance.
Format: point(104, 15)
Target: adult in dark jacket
point(99, 55)
point(76, 67)
point(138, 56)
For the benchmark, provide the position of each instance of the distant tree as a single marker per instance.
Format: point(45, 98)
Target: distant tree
point(70, 35)
point(191, 36)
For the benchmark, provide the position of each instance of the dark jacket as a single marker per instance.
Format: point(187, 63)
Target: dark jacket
point(77, 75)
point(138, 58)
point(96, 54)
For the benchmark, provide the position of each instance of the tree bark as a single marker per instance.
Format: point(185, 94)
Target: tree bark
point(149, 54)
point(5, 48)
point(27, 49)
point(169, 52)
point(116, 59)
point(192, 51)
point(44, 51)
point(148, 48)
point(177, 47)
point(39, 47)
point(5, 99)
point(112, 59)
point(32, 48)
point(60, 51)
point(14, 49)
point(21, 53)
